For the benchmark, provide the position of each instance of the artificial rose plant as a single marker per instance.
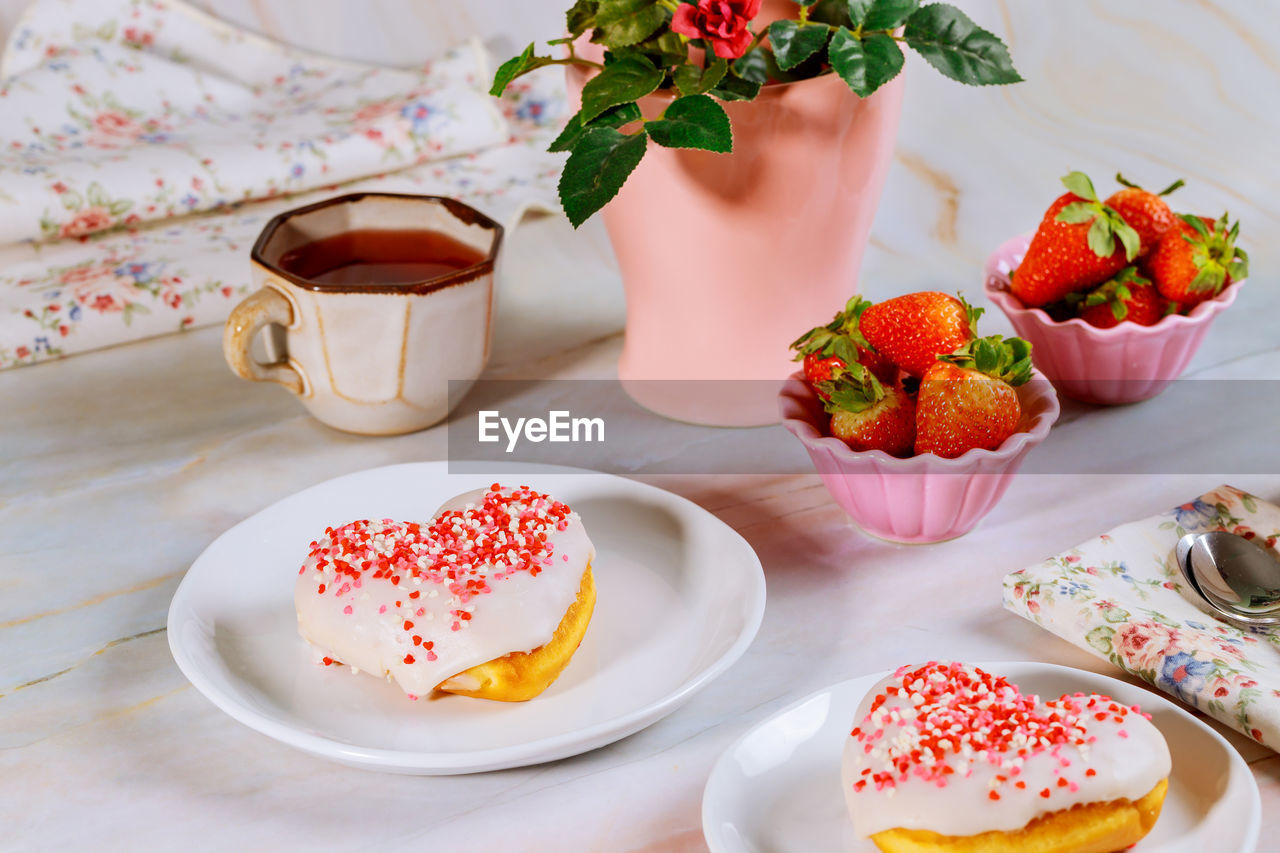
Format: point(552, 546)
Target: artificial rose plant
point(648, 47)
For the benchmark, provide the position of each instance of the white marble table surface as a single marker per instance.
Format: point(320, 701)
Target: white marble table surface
point(117, 468)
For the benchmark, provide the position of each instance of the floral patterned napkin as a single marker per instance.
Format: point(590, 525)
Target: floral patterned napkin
point(144, 143)
point(1122, 597)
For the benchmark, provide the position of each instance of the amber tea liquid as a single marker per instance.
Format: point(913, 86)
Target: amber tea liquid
point(379, 257)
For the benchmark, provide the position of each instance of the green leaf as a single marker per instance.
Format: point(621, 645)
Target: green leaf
point(673, 48)
point(864, 64)
point(1128, 236)
point(509, 70)
point(1209, 278)
point(833, 12)
point(1101, 240)
point(794, 43)
point(752, 66)
point(72, 200)
point(1079, 184)
point(958, 47)
point(881, 14)
point(1195, 222)
point(734, 88)
point(844, 348)
point(514, 67)
point(627, 80)
point(120, 206)
point(581, 17)
point(884, 59)
point(858, 10)
point(574, 129)
point(853, 388)
point(1119, 308)
point(695, 121)
point(620, 23)
point(97, 195)
point(691, 79)
point(1077, 212)
point(597, 169)
point(1008, 359)
point(1125, 182)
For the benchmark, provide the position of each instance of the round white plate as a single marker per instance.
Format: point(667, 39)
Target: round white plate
point(777, 788)
point(679, 598)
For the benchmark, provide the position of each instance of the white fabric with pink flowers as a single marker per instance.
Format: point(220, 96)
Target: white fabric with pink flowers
point(1121, 597)
point(144, 143)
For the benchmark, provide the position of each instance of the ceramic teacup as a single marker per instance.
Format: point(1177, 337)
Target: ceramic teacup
point(369, 357)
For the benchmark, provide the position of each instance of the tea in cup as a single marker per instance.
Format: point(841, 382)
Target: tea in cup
point(382, 298)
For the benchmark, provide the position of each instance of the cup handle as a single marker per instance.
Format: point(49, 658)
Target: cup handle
point(265, 307)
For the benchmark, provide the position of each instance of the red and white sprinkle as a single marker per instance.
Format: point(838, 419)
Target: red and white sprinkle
point(460, 551)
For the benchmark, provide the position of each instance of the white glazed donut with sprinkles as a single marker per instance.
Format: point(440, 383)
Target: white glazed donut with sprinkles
point(493, 572)
point(949, 748)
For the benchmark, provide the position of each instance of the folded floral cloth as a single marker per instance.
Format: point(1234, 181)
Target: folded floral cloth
point(1122, 597)
point(144, 143)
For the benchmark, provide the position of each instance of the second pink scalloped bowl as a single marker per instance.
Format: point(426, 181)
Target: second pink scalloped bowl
point(922, 498)
point(1123, 364)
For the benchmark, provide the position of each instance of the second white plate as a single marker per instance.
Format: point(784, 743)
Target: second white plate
point(680, 596)
point(777, 788)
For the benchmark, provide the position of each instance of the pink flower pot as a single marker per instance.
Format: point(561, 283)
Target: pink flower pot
point(923, 498)
point(726, 258)
point(1123, 364)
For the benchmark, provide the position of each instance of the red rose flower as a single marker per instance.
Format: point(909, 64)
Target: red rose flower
point(721, 22)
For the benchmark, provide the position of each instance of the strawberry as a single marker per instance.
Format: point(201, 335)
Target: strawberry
point(912, 331)
point(818, 369)
point(1128, 296)
point(840, 343)
point(1146, 212)
point(867, 415)
point(1075, 246)
point(1196, 259)
point(967, 399)
point(888, 425)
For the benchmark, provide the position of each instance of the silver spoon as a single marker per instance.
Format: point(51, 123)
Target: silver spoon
point(1237, 578)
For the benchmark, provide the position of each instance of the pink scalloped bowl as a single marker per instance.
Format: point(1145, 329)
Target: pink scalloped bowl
point(1123, 364)
point(922, 498)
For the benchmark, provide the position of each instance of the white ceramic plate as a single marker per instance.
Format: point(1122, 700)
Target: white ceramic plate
point(777, 788)
point(679, 598)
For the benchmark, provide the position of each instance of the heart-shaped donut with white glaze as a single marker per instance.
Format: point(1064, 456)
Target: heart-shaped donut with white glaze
point(490, 598)
point(946, 757)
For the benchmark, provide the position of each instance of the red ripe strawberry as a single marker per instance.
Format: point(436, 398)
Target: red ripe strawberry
point(1196, 260)
point(1075, 247)
point(818, 369)
point(967, 400)
point(1128, 296)
point(888, 424)
point(869, 416)
point(1145, 211)
point(840, 343)
point(913, 330)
